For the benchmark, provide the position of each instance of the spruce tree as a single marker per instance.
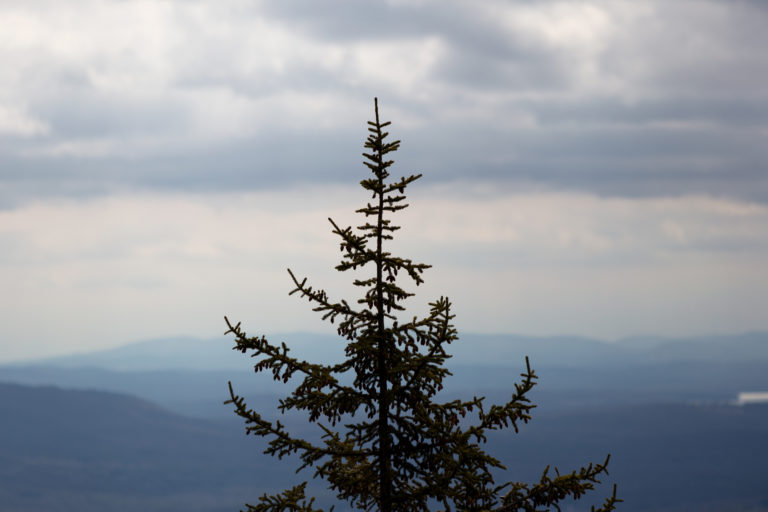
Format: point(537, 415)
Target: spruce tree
point(386, 444)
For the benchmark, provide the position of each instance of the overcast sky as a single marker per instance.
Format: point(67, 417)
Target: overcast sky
point(596, 168)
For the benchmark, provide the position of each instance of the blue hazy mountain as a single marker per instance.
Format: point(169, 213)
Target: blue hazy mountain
point(201, 393)
point(188, 353)
point(85, 451)
point(472, 349)
point(189, 376)
point(144, 425)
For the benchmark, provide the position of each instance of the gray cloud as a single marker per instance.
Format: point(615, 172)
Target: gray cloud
point(605, 160)
point(610, 98)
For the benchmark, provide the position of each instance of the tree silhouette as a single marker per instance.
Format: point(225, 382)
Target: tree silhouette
point(386, 444)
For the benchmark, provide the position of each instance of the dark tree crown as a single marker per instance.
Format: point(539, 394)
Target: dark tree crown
point(398, 449)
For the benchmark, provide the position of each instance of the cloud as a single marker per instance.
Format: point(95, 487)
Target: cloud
point(691, 49)
point(617, 99)
point(15, 122)
point(590, 167)
point(112, 269)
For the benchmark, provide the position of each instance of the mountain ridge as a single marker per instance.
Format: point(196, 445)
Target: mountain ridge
point(86, 451)
point(472, 348)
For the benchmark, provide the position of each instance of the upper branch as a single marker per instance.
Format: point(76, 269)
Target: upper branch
point(282, 442)
point(331, 309)
point(283, 366)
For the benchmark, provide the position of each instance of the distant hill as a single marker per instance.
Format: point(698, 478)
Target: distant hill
point(92, 445)
point(186, 353)
point(572, 351)
point(86, 451)
point(188, 392)
point(201, 393)
point(724, 349)
point(472, 349)
point(190, 376)
point(665, 458)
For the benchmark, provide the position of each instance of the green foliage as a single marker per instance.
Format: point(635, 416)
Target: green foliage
point(404, 451)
